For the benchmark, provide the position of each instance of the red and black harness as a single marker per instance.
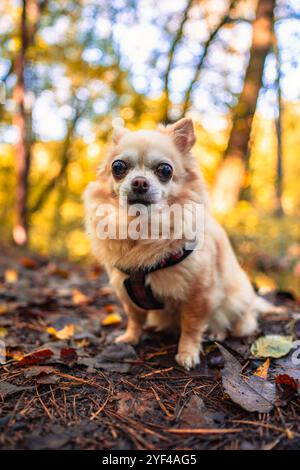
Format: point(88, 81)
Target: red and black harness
point(141, 293)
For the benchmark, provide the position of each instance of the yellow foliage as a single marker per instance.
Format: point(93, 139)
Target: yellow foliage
point(112, 319)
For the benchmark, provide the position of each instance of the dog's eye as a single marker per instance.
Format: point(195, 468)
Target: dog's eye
point(164, 171)
point(119, 168)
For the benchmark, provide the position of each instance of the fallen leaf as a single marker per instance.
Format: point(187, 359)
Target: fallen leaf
point(11, 276)
point(50, 379)
point(35, 371)
point(54, 270)
point(28, 263)
point(252, 394)
point(4, 309)
point(110, 308)
point(3, 332)
point(125, 402)
point(79, 298)
point(65, 333)
point(285, 379)
point(37, 357)
point(112, 319)
point(272, 346)
point(264, 282)
point(288, 368)
point(135, 405)
point(196, 415)
point(263, 370)
point(113, 357)
point(7, 389)
point(94, 273)
point(49, 442)
point(68, 356)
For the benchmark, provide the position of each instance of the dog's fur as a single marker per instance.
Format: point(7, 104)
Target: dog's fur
point(208, 288)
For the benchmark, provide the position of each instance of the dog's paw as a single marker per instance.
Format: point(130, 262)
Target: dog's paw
point(127, 338)
point(188, 360)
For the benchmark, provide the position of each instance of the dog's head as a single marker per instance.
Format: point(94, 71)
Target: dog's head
point(150, 167)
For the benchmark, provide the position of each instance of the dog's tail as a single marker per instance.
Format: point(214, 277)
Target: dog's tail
point(264, 307)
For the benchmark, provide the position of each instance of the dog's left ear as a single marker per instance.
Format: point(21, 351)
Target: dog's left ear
point(118, 133)
point(183, 134)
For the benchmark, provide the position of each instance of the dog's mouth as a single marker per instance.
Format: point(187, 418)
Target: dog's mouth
point(140, 199)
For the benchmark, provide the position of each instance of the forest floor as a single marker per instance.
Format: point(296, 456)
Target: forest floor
point(65, 385)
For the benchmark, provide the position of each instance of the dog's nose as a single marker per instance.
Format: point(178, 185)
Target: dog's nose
point(140, 185)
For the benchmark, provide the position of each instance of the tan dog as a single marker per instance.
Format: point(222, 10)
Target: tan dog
point(208, 287)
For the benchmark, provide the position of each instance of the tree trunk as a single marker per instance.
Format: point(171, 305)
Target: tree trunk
point(23, 148)
point(278, 123)
point(231, 174)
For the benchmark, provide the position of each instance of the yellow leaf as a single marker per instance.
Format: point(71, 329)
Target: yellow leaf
point(264, 282)
point(65, 333)
point(79, 298)
point(3, 332)
point(112, 319)
point(3, 309)
point(262, 371)
point(11, 276)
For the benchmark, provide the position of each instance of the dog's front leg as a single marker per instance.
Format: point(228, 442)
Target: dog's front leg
point(136, 321)
point(193, 321)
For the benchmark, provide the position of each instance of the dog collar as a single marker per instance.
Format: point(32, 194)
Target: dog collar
point(141, 293)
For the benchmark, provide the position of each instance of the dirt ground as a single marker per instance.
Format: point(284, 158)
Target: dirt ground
point(66, 386)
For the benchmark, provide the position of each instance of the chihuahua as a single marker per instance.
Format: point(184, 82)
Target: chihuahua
point(161, 281)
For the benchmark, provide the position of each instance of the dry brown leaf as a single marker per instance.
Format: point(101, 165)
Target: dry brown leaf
point(54, 270)
point(7, 389)
point(35, 371)
point(252, 394)
point(28, 263)
point(36, 357)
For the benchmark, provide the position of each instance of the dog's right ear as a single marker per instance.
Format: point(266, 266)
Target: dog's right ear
point(183, 134)
point(118, 133)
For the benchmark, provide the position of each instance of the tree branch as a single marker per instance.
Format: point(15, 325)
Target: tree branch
point(225, 20)
point(65, 159)
point(173, 47)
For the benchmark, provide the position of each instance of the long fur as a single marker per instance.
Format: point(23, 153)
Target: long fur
point(208, 288)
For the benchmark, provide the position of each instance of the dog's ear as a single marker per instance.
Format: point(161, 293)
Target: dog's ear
point(118, 133)
point(183, 134)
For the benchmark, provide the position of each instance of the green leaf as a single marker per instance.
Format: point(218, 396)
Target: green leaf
point(272, 346)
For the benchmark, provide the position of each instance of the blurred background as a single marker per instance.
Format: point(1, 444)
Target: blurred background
point(68, 68)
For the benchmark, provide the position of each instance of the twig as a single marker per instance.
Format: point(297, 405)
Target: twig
point(50, 416)
point(94, 415)
point(204, 431)
point(162, 406)
point(265, 425)
point(154, 372)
